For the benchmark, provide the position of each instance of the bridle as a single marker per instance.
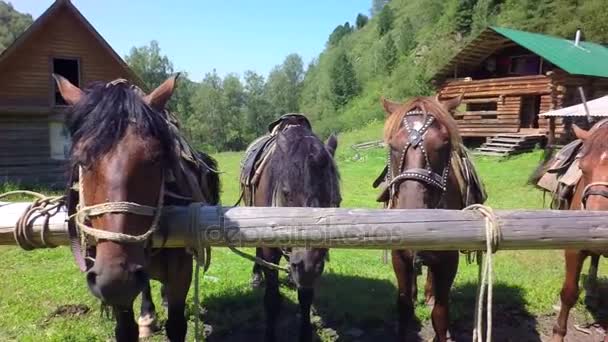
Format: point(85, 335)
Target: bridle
point(424, 175)
point(590, 191)
point(79, 236)
point(79, 230)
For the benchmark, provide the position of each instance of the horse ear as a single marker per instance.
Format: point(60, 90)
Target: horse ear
point(389, 106)
point(70, 93)
point(332, 144)
point(580, 133)
point(452, 103)
point(159, 97)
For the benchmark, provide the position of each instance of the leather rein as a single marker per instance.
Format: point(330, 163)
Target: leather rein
point(424, 175)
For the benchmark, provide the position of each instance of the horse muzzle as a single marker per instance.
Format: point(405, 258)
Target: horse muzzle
point(116, 285)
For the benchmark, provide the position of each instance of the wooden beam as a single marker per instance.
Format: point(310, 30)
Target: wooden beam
point(430, 229)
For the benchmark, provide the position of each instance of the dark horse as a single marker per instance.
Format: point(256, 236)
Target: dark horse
point(590, 193)
point(300, 172)
point(421, 137)
point(125, 149)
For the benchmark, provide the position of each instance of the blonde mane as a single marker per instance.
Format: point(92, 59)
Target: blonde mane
point(429, 105)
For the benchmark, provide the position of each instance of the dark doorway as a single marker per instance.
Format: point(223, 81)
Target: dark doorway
point(69, 69)
point(528, 114)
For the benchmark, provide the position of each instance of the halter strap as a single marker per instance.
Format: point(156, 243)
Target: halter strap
point(425, 175)
point(589, 191)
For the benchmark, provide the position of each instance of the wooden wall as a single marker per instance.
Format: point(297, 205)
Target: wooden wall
point(25, 151)
point(506, 93)
point(26, 87)
point(25, 77)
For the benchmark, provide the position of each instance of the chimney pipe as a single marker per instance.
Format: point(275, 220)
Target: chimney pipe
point(577, 38)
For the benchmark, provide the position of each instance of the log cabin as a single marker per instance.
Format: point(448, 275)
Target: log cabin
point(508, 77)
point(34, 142)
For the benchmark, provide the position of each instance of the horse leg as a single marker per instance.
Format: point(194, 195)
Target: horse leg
point(443, 273)
point(126, 329)
point(179, 277)
point(404, 271)
point(569, 293)
point(163, 295)
point(272, 297)
point(305, 298)
point(147, 315)
point(257, 276)
point(429, 298)
point(591, 294)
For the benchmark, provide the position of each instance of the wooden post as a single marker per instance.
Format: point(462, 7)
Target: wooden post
point(551, 139)
point(428, 229)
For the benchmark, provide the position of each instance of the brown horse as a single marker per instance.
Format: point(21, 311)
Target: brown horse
point(125, 149)
point(421, 136)
point(300, 172)
point(590, 193)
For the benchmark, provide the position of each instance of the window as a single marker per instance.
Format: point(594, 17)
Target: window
point(59, 140)
point(525, 65)
point(483, 106)
point(69, 69)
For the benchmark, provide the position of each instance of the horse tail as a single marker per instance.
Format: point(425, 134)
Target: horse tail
point(540, 170)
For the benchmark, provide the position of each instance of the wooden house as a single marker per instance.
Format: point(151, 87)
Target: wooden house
point(508, 77)
point(33, 140)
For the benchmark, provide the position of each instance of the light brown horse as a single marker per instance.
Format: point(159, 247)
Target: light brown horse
point(123, 150)
point(591, 193)
point(421, 136)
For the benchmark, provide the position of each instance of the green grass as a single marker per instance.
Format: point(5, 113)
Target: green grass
point(357, 290)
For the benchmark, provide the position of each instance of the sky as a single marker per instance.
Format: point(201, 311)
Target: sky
point(226, 35)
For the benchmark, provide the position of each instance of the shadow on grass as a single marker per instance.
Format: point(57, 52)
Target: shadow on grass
point(511, 319)
point(350, 308)
point(598, 306)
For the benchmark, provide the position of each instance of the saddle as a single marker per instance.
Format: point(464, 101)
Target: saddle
point(471, 186)
point(562, 175)
point(190, 179)
point(259, 151)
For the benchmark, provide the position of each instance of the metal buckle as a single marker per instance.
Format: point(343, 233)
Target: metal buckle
point(415, 137)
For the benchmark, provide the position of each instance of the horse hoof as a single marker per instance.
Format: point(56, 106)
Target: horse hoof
point(147, 326)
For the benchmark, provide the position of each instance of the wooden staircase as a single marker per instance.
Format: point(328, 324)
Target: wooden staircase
point(507, 144)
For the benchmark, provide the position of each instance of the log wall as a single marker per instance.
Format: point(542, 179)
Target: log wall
point(506, 93)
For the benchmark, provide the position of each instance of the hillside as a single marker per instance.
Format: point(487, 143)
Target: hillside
point(396, 53)
point(12, 24)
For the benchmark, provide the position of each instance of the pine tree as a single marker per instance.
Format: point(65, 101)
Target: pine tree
point(361, 21)
point(406, 37)
point(344, 85)
point(385, 20)
point(389, 54)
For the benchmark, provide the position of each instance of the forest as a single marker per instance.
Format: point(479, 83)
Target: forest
point(392, 51)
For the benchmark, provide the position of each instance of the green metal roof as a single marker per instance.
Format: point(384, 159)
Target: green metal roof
point(587, 58)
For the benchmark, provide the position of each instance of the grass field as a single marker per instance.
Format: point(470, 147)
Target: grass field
point(356, 300)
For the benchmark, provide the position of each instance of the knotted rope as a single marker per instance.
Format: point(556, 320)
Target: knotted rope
point(85, 212)
point(485, 274)
point(43, 206)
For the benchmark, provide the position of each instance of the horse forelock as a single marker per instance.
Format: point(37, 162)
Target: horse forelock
point(430, 106)
point(301, 164)
point(101, 119)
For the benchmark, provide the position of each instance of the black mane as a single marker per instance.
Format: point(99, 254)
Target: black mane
point(101, 118)
point(301, 164)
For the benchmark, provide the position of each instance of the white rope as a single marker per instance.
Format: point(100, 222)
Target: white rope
point(485, 274)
